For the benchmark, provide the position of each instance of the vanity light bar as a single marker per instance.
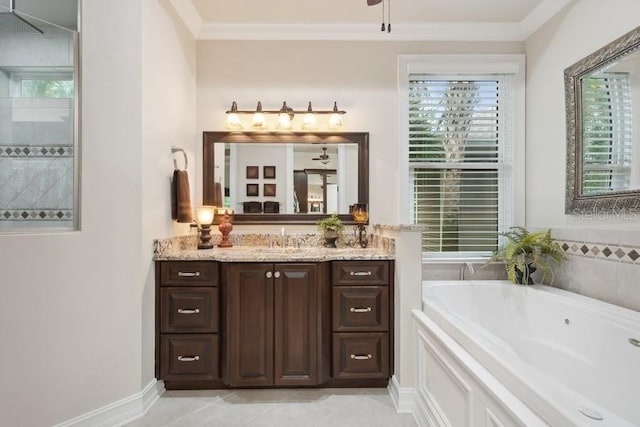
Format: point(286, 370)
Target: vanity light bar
point(285, 116)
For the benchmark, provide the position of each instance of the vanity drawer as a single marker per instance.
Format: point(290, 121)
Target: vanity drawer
point(360, 308)
point(189, 309)
point(360, 355)
point(189, 357)
point(189, 273)
point(360, 273)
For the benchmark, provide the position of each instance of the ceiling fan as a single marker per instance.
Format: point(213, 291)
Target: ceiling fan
point(375, 2)
point(324, 157)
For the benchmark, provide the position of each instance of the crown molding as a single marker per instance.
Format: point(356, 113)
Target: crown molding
point(189, 15)
point(361, 32)
point(540, 15)
point(454, 31)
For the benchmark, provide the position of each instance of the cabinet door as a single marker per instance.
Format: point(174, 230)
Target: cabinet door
point(296, 324)
point(249, 324)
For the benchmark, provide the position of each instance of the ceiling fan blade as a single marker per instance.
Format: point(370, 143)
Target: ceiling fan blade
point(373, 2)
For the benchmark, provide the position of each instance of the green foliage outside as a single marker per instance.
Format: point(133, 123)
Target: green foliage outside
point(47, 88)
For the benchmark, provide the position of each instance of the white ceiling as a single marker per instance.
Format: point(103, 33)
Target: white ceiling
point(455, 20)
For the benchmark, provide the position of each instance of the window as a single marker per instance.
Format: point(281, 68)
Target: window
point(608, 133)
point(459, 132)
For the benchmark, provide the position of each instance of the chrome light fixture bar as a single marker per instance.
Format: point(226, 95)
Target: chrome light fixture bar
point(285, 117)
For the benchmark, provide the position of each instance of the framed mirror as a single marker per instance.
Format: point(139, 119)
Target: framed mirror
point(286, 177)
point(602, 93)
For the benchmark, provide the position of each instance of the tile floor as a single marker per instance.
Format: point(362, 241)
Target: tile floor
point(281, 408)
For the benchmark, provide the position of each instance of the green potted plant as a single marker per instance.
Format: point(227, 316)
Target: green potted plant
point(525, 252)
point(331, 227)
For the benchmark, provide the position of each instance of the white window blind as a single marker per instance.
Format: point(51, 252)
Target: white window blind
point(607, 132)
point(460, 136)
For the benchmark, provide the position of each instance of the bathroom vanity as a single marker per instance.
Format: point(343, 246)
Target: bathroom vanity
point(262, 317)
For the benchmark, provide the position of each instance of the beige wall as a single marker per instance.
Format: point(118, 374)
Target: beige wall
point(581, 28)
point(361, 76)
point(168, 119)
point(76, 311)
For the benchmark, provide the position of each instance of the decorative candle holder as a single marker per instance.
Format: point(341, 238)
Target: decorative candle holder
point(225, 228)
point(204, 219)
point(361, 217)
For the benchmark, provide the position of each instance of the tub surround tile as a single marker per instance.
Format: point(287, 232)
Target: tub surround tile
point(451, 271)
point(589, 277)
point(628, 286)
point(605, 251)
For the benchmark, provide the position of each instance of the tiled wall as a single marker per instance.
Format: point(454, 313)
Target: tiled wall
point(36, 162)
point(601, 264)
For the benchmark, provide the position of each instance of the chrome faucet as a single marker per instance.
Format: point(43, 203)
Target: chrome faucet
point(283, 235)
point(464, 266)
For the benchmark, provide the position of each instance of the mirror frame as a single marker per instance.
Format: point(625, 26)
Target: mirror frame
point(209, 138)
point(576, 201)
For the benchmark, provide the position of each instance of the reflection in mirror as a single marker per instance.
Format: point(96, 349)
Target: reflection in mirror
point(294, 177)
point(610, 157)
point(603, 122)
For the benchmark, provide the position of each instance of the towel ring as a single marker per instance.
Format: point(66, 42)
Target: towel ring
point(175, 149)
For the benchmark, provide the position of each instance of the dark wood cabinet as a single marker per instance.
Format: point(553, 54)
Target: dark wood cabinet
point(273, 318)
point(290, 324)
point(187, 324)
point(361, 322)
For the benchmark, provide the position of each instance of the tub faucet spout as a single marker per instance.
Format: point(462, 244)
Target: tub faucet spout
point(464, 266)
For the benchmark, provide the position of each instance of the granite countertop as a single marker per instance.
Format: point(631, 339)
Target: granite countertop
point(255, 248)
point(258, 254)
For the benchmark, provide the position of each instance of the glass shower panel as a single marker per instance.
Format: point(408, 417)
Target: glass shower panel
point(37, 128)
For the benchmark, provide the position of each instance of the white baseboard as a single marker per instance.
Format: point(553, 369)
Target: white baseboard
point(403, 397)
point(120, 412)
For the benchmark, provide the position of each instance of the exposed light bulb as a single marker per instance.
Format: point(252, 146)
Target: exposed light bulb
point(284, 118)
point(284, 121)
point(309, 121)
point(259, 121)
point(335, 121)
point(233, 121)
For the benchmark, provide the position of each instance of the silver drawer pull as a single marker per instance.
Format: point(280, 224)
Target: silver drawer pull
point(360, 273)
point(276, 274)
point(188, 358)
point(361, 356)
point(360, 310)
point(188, 274)
point(188, 310)
point(269, 275)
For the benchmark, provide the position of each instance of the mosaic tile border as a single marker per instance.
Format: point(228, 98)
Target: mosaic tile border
point(604, 251)
point(36, 215)
point(36, 151)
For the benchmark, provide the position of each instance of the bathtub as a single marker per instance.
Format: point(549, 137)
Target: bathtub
point(516, 355)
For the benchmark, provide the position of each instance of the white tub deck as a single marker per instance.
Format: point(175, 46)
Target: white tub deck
point(552, 350)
